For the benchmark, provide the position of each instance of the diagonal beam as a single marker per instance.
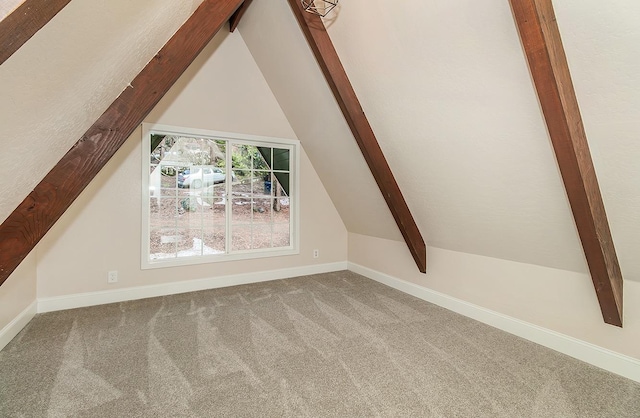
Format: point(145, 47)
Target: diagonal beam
point(334, 72)
point(540, 37)
point(21, 24)
point(235, 19)
point(28, 223)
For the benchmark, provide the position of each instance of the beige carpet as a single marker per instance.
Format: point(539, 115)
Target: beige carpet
point(336, 345)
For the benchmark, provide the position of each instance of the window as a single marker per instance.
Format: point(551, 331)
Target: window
point(210, 196)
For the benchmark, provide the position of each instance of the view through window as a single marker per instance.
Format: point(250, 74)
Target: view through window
point(217, 197)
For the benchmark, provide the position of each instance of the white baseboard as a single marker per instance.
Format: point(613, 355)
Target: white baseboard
point(617, 363)
point(12, 329)
point(81, 300)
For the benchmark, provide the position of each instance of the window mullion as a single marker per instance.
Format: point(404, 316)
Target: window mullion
point(182, 200)
point(228, 206)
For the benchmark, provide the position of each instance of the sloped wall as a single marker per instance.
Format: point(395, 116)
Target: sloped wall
point(447, 90)
point(601, 42)
point(58, 83)
point(223, 90)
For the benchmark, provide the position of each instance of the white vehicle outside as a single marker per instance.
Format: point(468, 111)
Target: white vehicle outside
point(197, 177)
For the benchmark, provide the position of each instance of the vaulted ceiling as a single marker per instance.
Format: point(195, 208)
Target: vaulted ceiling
point(450, 97)
point(446, 88)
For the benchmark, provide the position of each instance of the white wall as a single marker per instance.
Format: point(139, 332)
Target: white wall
point(223, 90)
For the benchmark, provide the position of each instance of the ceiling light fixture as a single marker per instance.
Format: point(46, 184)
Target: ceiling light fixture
point(319, 7)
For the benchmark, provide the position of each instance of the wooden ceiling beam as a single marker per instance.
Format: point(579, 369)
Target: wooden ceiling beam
point(543, 47)
point(331, 66)
point(235, 19)
point(39, 211)
point(21, 24)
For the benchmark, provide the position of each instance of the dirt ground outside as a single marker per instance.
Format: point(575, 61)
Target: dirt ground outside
point(190, 222)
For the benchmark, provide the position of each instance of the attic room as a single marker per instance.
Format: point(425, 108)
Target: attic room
point(459, 117)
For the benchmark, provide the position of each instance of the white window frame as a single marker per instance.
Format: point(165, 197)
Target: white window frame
point(229, 255)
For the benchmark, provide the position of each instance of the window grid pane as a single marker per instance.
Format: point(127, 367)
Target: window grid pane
point(197, 209)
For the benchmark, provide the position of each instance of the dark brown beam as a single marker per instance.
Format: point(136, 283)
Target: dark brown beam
point(21, 24)
point(26, 225)
point(334, 72)
point(540, 37)
point(235, 19)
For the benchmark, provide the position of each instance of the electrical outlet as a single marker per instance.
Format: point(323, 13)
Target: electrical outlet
point(316, 253)
point(112, 276)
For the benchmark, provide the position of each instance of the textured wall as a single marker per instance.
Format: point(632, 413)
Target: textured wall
point(62, 79)
point(222, 90)
point(7, 6)
point(601, 42)
point(447, 90)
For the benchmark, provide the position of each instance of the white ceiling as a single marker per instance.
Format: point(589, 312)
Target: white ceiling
point(444, 84)
point(446, 87)
point(58, 84)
